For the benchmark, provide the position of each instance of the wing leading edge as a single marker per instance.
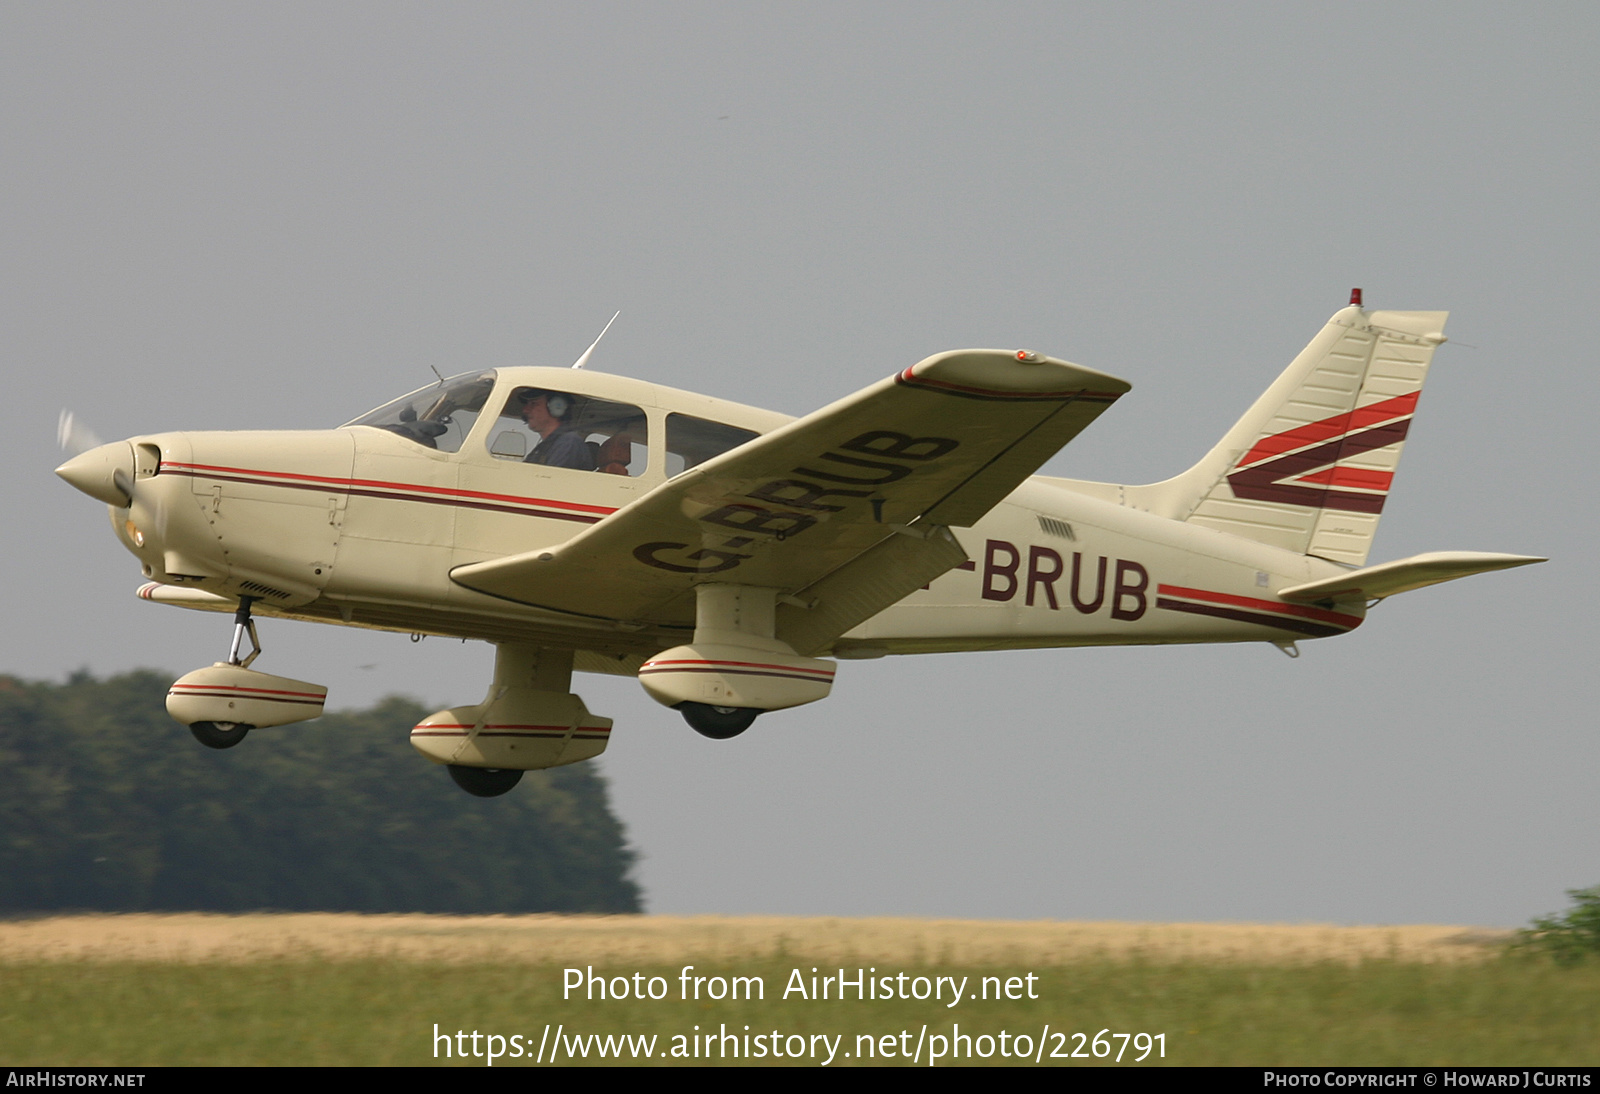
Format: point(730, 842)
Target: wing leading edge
point(843, 511)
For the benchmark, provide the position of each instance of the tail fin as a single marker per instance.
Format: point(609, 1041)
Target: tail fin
point(1309, 466)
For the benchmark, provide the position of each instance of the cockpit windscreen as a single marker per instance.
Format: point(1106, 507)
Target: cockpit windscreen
point(439, 416)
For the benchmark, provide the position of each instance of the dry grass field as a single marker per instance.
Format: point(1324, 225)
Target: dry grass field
point(663, 940)
point(142, 990)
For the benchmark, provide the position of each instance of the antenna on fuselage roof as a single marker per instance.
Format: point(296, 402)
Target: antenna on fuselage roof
point(584, 360)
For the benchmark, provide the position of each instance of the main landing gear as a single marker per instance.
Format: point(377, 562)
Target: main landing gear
point(735, 667)
point(528, 720)
point(718, 723)
point(484, 782)
point(223, 703)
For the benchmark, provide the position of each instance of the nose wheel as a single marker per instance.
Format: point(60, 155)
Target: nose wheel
point(718, 723)
point(228, 734)
point(223, 702)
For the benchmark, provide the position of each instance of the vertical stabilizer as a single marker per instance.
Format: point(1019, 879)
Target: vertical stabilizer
point(1309, 466)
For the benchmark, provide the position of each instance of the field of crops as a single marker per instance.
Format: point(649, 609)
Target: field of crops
point(326, 989)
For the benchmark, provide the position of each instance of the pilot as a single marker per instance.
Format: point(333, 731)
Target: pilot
point(547, 414)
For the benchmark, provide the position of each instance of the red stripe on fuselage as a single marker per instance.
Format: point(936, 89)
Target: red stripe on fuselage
point(396, 491)
point(1306, 627)
point(1277, 606)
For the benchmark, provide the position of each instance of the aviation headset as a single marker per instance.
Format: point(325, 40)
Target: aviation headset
point(559, 404)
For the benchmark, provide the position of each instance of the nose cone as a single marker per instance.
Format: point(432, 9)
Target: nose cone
point(104, 473)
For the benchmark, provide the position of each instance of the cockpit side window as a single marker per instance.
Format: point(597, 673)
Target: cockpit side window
point(563, 429)
point(439, 416)
point(693, 441)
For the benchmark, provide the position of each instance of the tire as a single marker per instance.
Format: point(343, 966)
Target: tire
point(718, 723)
point(485, 782)
point(219, 734)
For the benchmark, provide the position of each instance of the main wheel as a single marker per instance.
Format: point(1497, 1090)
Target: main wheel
point(485, 782)
point(718, 723)
point(219, 734)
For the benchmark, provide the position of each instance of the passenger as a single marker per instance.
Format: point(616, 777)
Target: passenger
point(547, 413)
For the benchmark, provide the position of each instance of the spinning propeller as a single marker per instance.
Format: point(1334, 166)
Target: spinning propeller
point(106, 472)
point(74, 436)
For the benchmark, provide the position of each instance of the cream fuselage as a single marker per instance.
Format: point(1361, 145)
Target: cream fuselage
point(362, 527)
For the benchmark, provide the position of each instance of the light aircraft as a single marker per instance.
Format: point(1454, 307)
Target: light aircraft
point(730, 557)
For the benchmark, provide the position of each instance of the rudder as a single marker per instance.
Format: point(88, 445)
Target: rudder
point(1309, 466)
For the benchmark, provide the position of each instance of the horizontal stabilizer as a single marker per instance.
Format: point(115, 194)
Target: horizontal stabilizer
point(1403, 575)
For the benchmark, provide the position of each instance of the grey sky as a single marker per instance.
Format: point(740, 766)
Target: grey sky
point(240, 216)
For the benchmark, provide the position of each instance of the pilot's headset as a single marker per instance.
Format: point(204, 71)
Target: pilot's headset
point(559, 404)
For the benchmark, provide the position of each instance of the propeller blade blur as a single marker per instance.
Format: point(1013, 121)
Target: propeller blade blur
point(74, 436)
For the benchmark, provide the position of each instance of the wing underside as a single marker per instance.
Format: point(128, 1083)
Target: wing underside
point(844, 511)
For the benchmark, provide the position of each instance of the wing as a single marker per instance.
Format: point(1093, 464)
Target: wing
point(843, 511)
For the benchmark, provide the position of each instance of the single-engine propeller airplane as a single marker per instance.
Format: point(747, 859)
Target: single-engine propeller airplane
point(729, 557)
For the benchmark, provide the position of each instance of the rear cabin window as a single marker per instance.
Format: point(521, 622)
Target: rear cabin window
point(562, 429)
point(693, 441)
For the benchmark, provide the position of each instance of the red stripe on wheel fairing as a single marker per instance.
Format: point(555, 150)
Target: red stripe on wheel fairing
point(737, 668)
point(231, 688)
point(255, 695)
point(456, 729)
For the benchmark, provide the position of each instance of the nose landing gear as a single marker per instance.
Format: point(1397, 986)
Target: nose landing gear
point(243, 625)
point(223, 703)
point(219, 734)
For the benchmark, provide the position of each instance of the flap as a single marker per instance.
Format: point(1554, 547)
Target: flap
point(938, 444)
point(1403, 575)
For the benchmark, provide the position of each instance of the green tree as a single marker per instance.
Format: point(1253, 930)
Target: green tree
point(1571, 937)
point(107, 804)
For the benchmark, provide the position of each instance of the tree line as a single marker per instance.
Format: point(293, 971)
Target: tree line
point(107, 804)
